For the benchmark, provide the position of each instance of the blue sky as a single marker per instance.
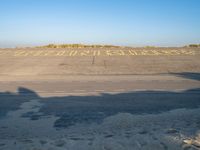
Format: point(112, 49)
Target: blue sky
point(118, 22)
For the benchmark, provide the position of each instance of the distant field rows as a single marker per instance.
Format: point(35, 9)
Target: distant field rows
point(116, 52)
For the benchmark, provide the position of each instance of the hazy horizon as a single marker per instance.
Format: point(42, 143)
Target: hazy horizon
point(125, 23)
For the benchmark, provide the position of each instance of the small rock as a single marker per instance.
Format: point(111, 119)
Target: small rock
point(189, 142)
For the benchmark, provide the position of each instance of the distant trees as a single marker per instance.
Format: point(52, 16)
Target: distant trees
point(194, 45)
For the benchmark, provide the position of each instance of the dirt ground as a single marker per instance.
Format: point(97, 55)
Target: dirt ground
point(114, 61)
point(100, 99)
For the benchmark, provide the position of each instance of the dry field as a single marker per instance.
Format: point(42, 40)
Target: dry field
point(98, 61)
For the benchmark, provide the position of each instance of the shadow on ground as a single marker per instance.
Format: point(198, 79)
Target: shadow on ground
point(188, 75)
point(88, 109)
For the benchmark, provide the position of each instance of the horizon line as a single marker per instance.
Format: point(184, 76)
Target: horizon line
point(81, 45)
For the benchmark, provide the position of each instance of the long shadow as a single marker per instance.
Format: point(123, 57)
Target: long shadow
point(88, 109)
point(188, 75)
point(12, 101)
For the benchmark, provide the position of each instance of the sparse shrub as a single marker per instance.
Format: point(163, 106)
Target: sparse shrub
point(194, 45)
point(150, 46)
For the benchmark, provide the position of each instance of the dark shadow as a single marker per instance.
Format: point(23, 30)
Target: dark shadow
point(88, 109)
point(188, 75)
point(12, 101)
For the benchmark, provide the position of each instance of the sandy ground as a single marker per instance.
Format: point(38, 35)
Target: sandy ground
point(162, 116)
point(178, 129)
point(165, 121)
point(38, 62)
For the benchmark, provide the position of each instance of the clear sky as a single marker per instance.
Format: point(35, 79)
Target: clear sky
point(118, 22)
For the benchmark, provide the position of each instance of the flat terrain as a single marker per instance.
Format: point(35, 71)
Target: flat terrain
point(98, 61)
point(100, 99)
